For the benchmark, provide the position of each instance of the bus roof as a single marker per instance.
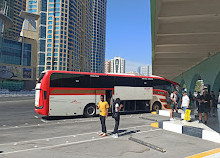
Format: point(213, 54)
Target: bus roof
point(108, 74)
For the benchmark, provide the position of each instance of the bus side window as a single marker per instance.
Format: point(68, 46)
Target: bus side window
point(69, 80)
point(143, 82)
point(102, 81)
point(125, 81)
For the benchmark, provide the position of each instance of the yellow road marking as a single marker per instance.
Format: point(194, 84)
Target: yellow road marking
point(156, 125)
point(154, 112)
point(207, 153)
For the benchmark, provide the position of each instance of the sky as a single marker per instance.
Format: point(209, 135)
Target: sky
point(128, 32)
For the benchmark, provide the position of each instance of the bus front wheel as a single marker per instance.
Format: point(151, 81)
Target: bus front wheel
point(156, 106)
point(90, 110)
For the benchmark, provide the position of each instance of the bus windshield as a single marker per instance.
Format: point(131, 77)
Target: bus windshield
point(41, 77)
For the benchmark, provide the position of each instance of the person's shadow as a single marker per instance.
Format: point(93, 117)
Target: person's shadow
point(125, 132)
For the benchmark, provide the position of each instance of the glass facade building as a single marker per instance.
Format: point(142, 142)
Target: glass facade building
point(99, 36)
point(12, 71)
point(11, 53)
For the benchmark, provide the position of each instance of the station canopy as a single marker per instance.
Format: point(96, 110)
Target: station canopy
point(184, 33)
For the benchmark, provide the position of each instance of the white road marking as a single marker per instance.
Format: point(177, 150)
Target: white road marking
point(51, 138)
point(60, 145)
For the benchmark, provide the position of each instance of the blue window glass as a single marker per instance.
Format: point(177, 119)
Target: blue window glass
point(51, 5)
point(49, 49)
point(42, 45)
point(44, 5)
point(51, 9)
point(57, 14)
point(49, 45)
point(41, 59)
point(33, 10)
point(50, 18)
point(32, 2)
point(50, 27)
point(49, 40)
point(42, 32)
point(48, 54)
point(43, 18)
point(55, 54)
point(49, 36)
point(32, 6)
point(48, 63)
point(50, 22)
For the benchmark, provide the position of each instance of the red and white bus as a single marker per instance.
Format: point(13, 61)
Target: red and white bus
point(67, 93)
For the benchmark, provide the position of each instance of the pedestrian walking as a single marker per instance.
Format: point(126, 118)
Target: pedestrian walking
point(205, 105)
point(185, 102)
point(214, 104)
point(103, 106)
point(173, 104)
point(117, 106)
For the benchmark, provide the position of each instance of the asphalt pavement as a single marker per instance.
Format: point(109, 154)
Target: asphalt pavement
point(23, 134)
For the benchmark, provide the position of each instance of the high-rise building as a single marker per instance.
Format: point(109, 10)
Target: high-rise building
point(13, 10)
point(65, 34)
point(107, 66)
point(118, 65)
point(145, 70)
point(39, 7)
point(99, 34)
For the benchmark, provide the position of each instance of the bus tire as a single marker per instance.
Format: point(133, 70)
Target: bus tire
point(90, 110)
point(156, 106)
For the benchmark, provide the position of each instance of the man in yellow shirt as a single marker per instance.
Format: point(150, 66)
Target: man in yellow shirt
point(103, 106)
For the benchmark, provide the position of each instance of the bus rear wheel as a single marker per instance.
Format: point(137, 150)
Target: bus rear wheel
point(156, 106)
point(90, 110)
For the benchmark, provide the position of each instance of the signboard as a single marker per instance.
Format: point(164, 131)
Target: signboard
point(26, 73)
point(9, 72)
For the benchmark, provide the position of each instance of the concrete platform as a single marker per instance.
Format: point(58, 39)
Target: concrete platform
point(193, 128)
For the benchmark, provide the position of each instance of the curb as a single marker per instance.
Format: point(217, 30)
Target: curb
point(175, 114)
point(188, 130)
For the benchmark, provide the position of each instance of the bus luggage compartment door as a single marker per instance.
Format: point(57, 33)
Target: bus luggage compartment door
point(133, 93)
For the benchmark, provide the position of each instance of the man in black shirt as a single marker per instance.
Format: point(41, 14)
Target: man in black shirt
point(205, 105)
